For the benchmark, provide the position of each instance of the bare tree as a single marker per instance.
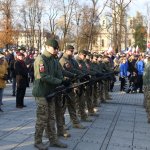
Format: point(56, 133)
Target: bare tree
point(68, 12)
point(6, 8)
point(118, 22)
point(94, 18)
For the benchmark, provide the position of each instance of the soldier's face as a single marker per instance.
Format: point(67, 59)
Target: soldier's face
point(70, 52)
point(51, 50)
point(82, 56)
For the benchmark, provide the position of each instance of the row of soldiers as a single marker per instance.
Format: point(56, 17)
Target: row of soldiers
point(51, 72)
point(146, 84)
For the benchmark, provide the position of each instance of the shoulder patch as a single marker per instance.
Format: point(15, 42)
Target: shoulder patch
point(41, 68)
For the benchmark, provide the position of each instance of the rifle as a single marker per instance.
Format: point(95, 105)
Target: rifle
point(63, 90)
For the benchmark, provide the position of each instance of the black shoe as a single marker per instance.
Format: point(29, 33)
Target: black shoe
point(140, 91)
point(13, 95)
point(24, 106)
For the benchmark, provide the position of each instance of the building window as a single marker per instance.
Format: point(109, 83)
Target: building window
point(103, 44)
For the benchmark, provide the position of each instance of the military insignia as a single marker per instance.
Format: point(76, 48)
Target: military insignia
point(42, 68)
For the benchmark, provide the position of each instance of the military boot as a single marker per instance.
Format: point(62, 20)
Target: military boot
point(64, 134)
point(78, 126)
point(41, 146)
point(58, 144)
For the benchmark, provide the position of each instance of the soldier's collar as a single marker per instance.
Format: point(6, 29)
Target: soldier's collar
point(47, 54)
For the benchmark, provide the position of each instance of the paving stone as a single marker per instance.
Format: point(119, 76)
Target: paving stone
point(104, 125)
point(142, 136)
point(122, 142)
point(113, 147)
point(130, 119)
point(16, 137)
point(87, 146)
point(142, 143)
point(95, 135)
point(122, 134)
point(7, 145)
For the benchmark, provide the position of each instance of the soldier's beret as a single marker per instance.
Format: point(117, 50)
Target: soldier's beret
point(68, 47)
point(52, 42)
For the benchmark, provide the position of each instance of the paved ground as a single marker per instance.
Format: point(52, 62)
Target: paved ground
point(122, 125)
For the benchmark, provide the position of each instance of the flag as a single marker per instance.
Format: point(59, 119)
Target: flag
point(137, 49)
point(110, 49)
point(133, 50)
point(130, 49)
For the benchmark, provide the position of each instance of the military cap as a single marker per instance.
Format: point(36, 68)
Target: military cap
point(52, 42)
point(84, 52)
point(68, 47)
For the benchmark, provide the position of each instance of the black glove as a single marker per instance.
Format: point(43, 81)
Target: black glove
point(5, 77)
point(66, 82)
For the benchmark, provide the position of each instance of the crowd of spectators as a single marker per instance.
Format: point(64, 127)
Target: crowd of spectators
point(20, 71)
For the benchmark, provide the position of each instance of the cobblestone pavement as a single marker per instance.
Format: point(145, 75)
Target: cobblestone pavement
point(122, 125)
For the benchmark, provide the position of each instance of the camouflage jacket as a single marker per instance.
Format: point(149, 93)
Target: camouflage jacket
point(70, 64)
point(48, 75)
point(146, 75)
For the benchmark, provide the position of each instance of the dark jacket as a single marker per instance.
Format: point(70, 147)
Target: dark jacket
point(21, 74)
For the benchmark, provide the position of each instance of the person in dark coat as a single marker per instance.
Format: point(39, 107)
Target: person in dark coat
point(21, 80)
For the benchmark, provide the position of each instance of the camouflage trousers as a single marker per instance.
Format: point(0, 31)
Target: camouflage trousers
point(70, 103)
point(145, 90)
point(88, 99)
point(80, 102)
point(95, 95)
point(59, 114)
point(101, 91)
point(45, 118)
point(106, 88)
point(148, 103)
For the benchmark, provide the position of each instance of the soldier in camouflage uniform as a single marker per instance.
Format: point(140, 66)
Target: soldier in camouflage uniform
point(146, 83)
point(67, 65)
point(101, 68)
point(95, 86)
point(107, 69)
point(89, 88)
point(46, 80)
point(81, 100)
